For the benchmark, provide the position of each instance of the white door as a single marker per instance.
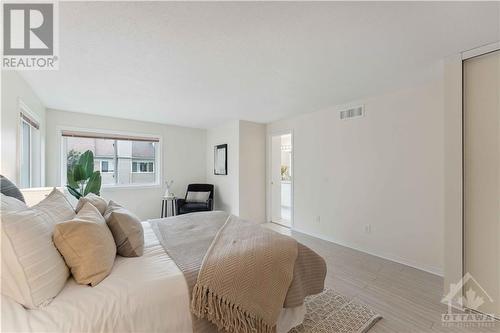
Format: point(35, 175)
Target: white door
point(482, 176)
point(276, 178)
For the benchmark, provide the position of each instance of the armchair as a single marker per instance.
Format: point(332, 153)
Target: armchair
point(183, 206)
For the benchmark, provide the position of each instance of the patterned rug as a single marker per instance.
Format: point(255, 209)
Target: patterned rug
point(330, 312)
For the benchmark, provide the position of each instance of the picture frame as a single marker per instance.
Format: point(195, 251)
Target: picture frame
point(220, 159)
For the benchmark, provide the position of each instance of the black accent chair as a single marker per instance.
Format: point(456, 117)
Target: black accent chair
point(183, 207)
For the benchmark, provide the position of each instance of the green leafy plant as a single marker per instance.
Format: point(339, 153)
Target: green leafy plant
point(82, 179)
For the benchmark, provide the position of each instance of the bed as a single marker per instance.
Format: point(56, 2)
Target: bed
point(126, 301)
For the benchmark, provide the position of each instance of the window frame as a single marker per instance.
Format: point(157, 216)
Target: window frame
point(26, 116)
point(95, 131)
point(30, 147)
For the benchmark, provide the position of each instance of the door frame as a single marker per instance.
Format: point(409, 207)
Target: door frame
point(269, 175)
point(469, 54)
point(453, 261)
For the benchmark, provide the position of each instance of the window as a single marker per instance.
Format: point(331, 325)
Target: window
point(121, 159)
point(106, 166)
point(142, 166)
point(28, 131)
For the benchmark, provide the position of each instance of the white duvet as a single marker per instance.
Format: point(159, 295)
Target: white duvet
point(144, 294)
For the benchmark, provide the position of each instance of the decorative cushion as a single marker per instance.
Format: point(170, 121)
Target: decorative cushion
point(197, 196)
point(9, 189)
point(33, 271)
point(95, 200)
point(57, 208)
point(126, 229)
point(11, 203)
point(87, 245)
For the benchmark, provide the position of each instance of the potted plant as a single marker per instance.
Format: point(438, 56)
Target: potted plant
point(82, 179)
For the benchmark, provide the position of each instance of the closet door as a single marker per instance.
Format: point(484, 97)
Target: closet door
point(482, 175)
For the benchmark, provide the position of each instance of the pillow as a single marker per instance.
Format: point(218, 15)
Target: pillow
point(11, 203)
point(9, 189)
point(87, 245)
point(33, 271)
point(197, 196)
point(95, 200)
point(126, 229)
point(56, 207)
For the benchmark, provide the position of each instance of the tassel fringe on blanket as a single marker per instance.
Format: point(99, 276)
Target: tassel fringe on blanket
point(225, 314)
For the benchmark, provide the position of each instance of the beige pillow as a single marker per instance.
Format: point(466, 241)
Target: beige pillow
point(95, 200)
point(126, 229)
point(87, 245)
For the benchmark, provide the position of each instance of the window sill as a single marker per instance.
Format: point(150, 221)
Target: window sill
point(131, 186)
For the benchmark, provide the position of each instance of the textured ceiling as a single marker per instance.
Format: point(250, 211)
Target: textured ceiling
point(197, 64)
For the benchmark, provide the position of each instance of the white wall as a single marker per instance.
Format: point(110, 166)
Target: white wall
point(242, 190)
point(226, 186)
point(385, 169)
point(182, 153)
point(453, 235)
point(252, 174)
point(14, 88)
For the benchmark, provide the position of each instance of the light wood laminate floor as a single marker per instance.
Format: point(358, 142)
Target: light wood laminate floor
point(406, 297)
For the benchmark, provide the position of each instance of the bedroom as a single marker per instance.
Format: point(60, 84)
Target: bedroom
point(366, 108)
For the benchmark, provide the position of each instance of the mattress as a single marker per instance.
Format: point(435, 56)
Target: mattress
point(143, 294)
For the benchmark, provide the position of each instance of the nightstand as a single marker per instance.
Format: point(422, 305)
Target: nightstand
point(164, 206)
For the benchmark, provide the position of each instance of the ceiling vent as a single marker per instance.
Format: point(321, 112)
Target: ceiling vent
point(355, 112)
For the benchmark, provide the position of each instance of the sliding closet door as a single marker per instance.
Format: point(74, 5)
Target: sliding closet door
point(482, 175)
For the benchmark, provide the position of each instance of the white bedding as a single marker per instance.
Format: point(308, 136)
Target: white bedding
point(144, 294)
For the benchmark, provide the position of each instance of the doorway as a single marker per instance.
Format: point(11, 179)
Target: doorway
point(282, 179)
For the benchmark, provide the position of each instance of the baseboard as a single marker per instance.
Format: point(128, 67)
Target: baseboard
point(429, 269)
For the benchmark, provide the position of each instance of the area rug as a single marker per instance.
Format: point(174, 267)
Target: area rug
point(331, 312)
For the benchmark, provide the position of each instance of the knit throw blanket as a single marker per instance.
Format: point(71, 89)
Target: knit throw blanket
point(239, 274)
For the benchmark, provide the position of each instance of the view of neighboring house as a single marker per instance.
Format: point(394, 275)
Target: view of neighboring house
point(120, 161)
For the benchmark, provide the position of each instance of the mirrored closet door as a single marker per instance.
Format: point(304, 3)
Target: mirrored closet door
point(481, 125)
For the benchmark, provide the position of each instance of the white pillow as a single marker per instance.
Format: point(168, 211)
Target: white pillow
point(36, 272)
point(56, 206)
point(11, 203)
point(33, 271)
point(197, 196)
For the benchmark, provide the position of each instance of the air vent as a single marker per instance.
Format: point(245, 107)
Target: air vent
point(356, 112)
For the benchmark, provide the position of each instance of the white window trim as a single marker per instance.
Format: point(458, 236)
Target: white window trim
point(158, 155)
point(24, 108)
point(21, 145)
point(141, 161)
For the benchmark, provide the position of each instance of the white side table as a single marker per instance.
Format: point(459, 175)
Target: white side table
point(164, 205)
